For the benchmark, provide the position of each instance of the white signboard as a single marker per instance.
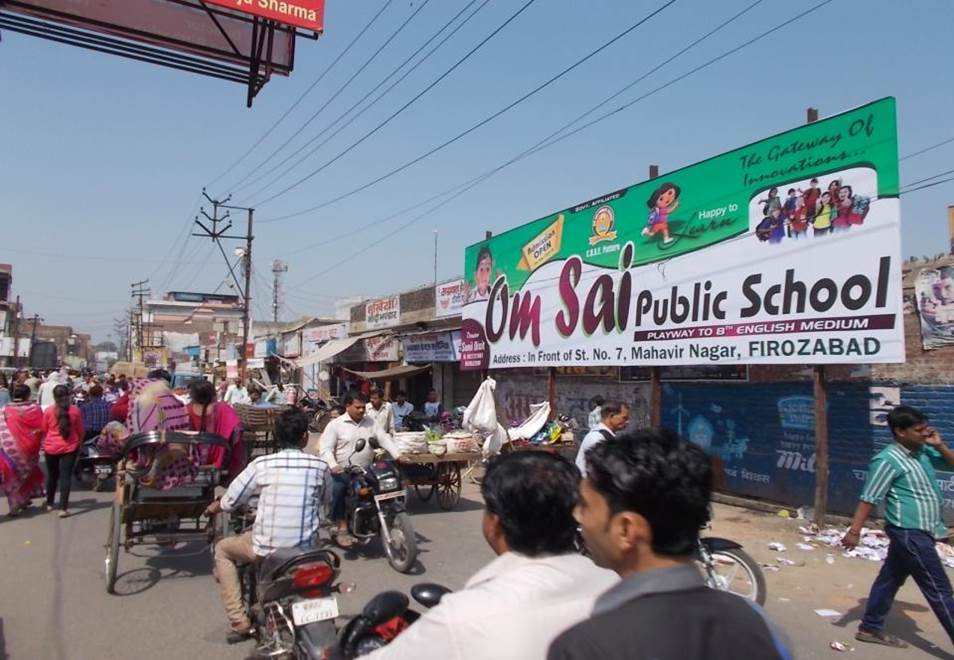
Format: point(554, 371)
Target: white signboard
point(382, 313)
point(430, 347)
point(325, 333)
point(291, 346)
point(449, 298)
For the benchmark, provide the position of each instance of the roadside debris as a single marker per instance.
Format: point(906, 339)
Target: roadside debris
point(841, 646)
point(777, 547)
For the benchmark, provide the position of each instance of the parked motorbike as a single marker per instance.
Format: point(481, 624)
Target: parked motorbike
point(94, 467)
point(384, 617)
point(290, 600)
point(724, 565)
point(374, 506)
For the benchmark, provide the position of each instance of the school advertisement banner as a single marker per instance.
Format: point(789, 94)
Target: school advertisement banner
point(783, 251)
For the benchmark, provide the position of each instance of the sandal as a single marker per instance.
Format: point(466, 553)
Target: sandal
point(882, 638)
point(239, 635)
point(344, 540)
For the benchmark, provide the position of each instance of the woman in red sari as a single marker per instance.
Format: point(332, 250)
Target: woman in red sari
point(21, 431)
point(206, 414)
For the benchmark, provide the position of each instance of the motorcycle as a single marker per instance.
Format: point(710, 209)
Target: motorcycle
point(374, 506)
point(724, 565)
point(383, 618)
point(290, 600)
point(95, 467)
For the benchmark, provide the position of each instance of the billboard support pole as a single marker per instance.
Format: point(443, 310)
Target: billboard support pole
point(485, 374)
point(655, 373)
point(820, 387)
point(552, 392)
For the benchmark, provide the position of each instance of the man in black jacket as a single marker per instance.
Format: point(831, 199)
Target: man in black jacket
point(643, 500)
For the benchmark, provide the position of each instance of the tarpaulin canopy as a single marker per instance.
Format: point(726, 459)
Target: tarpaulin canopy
point(328, 351)
point(389, 374)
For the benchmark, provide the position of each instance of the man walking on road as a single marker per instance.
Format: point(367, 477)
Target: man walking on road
point(903, 476)
point(615, 418)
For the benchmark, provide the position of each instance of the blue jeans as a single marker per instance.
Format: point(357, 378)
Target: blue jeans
point(911, 552)
point(338, 493)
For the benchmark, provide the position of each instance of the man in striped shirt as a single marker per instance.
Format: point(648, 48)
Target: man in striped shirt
point(902, 475)
point(291, 486)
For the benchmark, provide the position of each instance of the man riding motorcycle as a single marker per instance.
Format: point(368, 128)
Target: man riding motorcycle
point(337, 448)
point(291, 486)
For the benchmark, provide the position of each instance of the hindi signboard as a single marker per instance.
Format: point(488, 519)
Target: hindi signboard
point(449, 298)
point(382, 313)
point(431, 347)
point(783, 251)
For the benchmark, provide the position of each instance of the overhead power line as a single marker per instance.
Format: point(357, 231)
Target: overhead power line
point(540, 144)
point(370, 105)
point(599, 119)
point(301, 98)
point(488, 119)
point(404, 107)
point(914, 183)
point(927, 149)
point(335, 95)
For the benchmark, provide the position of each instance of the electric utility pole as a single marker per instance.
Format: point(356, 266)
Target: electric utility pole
point(36, 318)
point(140, 290)
point(278, 267)
point(217, 234)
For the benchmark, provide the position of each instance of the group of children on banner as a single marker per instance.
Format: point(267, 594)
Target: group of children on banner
point(830, 211)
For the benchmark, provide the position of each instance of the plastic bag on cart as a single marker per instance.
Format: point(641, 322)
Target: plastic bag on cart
point(481, 413)
point(494, 442)
point(539, 414)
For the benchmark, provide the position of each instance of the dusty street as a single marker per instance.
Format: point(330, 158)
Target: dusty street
point(54, 604)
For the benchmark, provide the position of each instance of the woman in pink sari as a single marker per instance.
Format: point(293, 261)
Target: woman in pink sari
point(206, 414)
point(21, 431)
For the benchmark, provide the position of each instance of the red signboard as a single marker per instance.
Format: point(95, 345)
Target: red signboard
point(306, 14)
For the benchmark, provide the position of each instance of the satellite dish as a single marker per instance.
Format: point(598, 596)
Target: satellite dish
point(324, 376)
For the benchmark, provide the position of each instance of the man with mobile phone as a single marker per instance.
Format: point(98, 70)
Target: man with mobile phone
point(902, 475)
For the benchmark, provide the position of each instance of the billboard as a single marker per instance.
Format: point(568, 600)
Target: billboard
point(934, 289)
point(449, 298)
point(783, 251)
point(382, 313)
point(306, 14)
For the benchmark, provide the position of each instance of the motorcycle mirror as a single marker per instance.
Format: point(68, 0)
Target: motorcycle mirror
point(384, 607)
point(359, 445)
point(374, 443)
point(429, 594)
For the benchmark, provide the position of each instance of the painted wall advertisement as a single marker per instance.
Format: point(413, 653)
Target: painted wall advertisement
point(449, 298)
point(783, 251)
point(382, 313)
point(934, 290)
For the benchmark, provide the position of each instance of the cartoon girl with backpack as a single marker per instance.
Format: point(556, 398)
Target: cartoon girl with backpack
point(663, 201)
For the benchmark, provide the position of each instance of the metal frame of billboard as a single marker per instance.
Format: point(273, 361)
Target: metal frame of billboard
point(187, 35)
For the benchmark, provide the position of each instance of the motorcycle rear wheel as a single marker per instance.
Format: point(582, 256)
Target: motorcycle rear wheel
point(402, 550)
point(736, 572)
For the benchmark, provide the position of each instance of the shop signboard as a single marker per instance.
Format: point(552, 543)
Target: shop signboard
point(291, 345)
point(324, 333)
point(449, 298)
point(934, 290)
point(231, 369)
point(381, 349)
point(306, 14)
point(786, 251)
point(382, 313)
point(430, 347)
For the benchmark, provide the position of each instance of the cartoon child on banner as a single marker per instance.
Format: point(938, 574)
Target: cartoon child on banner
point(661, 203)
point(482, 274)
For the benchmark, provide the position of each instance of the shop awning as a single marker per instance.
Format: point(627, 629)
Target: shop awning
point(333, 347)
point(389, 374)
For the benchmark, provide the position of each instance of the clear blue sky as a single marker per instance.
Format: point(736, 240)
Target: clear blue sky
point(102, 158)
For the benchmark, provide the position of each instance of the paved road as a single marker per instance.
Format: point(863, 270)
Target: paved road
point(53, 603)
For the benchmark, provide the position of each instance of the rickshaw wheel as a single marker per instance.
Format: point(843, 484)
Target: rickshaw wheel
point(448, 485)
point(112, 546)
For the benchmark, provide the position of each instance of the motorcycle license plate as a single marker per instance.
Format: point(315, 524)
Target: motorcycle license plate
point(103, 470)
point(389, 496)
point(314, 609)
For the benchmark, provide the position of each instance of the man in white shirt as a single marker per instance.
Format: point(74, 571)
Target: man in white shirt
point(400, 409)
point(537, 587)
point(615, 418)
point(596, 412)
point(379, 410)
point(236, 393)
point(337, 447)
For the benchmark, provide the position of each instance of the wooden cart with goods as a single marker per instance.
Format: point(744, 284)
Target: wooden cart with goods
point(258, 426)
point(438, 474)
point(145, 515)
